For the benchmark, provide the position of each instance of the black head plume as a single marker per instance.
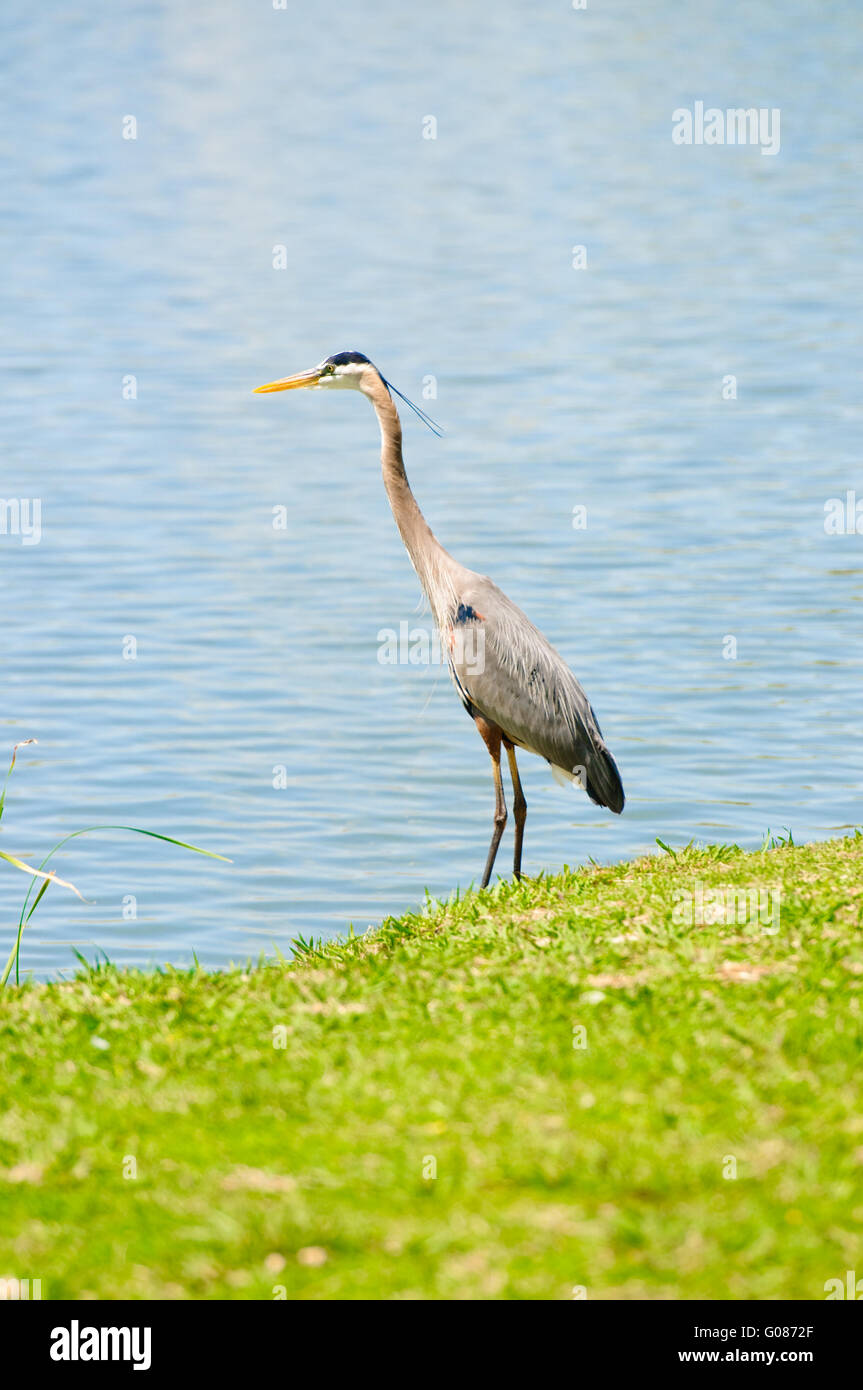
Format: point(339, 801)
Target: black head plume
point(426, 419)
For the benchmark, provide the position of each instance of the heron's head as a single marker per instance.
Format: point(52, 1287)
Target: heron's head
point(351, 369)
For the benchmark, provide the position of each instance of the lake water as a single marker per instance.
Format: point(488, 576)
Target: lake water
point(559, 387)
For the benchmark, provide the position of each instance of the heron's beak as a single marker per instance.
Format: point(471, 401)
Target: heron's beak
point(290, 383)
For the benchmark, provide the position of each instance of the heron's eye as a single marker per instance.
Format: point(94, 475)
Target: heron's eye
point(329, 369)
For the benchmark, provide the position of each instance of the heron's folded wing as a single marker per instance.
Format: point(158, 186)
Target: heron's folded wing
point(510, 673)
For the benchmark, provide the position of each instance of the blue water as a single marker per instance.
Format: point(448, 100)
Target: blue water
point(257, 648)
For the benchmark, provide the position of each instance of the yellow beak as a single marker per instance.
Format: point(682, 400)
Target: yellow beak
point(290, 383)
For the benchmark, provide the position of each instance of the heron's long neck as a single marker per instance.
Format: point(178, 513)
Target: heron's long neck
point(434, 565)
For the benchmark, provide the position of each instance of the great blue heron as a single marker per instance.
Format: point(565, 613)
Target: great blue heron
point(518, 690)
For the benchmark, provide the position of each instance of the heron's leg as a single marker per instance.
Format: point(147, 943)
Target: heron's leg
point(492, 737)
point(519, 807)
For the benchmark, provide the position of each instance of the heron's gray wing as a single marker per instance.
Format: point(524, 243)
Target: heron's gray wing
point(506, 670)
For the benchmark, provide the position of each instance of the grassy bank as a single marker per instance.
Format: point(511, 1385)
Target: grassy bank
point(543, 1086)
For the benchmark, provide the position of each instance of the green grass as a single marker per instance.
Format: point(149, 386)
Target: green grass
point(448, 1036)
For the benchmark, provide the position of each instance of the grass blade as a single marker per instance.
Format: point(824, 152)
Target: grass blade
point(38, 873)
point(22, 744)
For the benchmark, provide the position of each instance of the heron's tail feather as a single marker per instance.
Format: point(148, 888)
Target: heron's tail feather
point(600, 779)
point(603, 781)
